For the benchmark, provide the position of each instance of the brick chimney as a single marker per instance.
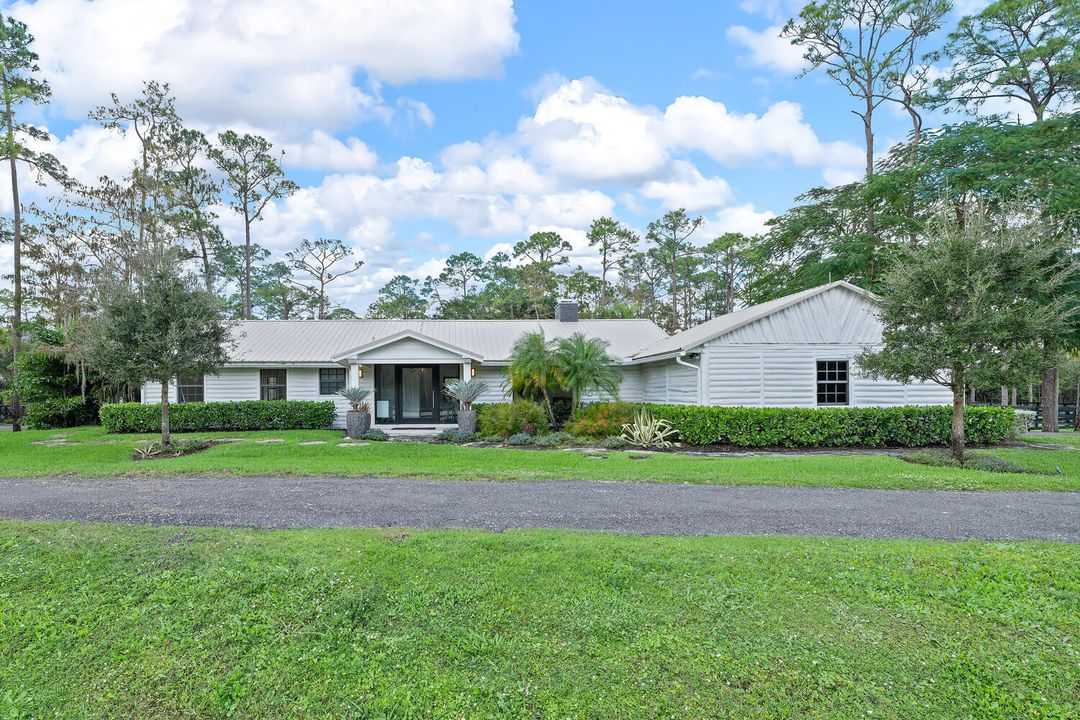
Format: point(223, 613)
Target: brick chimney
point(566, 311)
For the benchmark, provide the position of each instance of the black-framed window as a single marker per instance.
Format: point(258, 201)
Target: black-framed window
point(189, 388)
point(331, 380)
point(272, 384)
point(832, 382)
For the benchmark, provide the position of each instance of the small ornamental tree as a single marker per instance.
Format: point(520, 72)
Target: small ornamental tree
point(960, 309)
point(166, 328)
point(585, 366)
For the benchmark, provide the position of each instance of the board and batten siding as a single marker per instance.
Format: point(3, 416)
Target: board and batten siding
point(772, 362)
point(669, 383)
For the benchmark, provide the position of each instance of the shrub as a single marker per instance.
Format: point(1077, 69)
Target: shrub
point(906, 426)
point(615, 442)
point(506, 419)
point(453, 435)
point(520, 439)
point(374, 435)
point(556, 439)
point(246, 415)
point(61, 413)
point(1024, 422)
point(598, 420)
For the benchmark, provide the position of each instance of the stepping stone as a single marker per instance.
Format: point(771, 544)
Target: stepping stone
point(227, 440)
point(270, 441)
point(352, 444)
point(313, 442)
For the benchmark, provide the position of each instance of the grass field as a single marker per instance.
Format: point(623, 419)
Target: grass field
point(1068, 437)
point(98, 454)
point(102, 621)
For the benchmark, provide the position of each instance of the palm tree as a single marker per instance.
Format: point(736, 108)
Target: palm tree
point(534, 369)
point(584, 365)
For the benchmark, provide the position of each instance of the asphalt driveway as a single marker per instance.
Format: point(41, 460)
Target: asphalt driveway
point(644, 508)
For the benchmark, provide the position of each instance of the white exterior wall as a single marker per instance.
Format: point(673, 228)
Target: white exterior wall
point(234, 384)
point(670, 383)
point(498, 383)
point(773, 362)
point(630, 389)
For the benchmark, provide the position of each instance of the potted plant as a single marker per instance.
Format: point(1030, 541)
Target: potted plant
point(357, 420)
point(466, 392)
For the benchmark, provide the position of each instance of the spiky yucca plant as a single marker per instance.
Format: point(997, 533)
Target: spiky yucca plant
point(466, 392)
point(648, 431)
point(357, 398)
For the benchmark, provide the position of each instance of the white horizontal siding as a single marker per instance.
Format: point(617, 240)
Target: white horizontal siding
point(630, 389)
point(498, 382)
point(151, 393)
point(231, 385)
point(786, 376)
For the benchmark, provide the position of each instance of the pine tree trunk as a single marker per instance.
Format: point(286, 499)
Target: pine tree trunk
point(247, 265)
point(1050, 400)
point(16, 232)
point(1076, 424)
point(956, 437)
point(165, 414)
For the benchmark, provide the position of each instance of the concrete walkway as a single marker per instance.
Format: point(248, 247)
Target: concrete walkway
point(645, 508)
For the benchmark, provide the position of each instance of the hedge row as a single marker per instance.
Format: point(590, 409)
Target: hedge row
point(906, 426)
point(246, 415)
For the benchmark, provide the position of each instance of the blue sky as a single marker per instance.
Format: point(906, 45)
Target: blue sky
point(421, 129)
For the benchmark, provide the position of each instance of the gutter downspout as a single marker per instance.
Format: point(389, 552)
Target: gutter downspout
point(697, 368)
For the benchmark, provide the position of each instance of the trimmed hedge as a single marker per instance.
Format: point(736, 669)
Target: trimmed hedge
point(905, 426)
point(245, 415)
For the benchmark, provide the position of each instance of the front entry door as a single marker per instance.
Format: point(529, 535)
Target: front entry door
point(418, 386)
point(414, 394)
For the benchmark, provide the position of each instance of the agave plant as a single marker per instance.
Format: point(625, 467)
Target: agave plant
point(357, 398)
point(466, 392)
point(648, 431)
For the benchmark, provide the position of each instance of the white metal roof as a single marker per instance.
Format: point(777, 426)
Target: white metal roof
point(319, 341)
point(712, 329)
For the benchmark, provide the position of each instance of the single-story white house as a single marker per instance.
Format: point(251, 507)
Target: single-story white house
point(795, 351)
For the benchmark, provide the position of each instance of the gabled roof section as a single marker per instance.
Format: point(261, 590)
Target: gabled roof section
point(403, 335)
point(717, 327)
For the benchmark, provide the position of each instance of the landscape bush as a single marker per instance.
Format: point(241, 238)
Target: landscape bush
point(520, 439)
point(246, 415)
point(373, 435)
point(60, 413)
point(615, 442)
point(505, 419)
point(600, 420)
point(554, 440)
point(453, 435)
point(905, 426)
point(1024, 422)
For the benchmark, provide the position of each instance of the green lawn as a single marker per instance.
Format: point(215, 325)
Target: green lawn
point(102, 621)
point(98, 454)
point(1068, 437)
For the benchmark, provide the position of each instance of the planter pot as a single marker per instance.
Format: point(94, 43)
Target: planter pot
point(357, 423)
point(466, 421)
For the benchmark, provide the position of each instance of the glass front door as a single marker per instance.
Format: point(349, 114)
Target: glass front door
point(414, 394)
point(418, 394)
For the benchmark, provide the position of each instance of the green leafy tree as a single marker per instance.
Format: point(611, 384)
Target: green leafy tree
point(278, 297)
point(584, 366)
point(541, 254)
point(868, 48)
point(197, 193)
point(321, 260)
point(166, 328)
point(1022, 50)
point(614, 242)
point(726, 259)
point(670, 237)
point(957, 310)
point(253, 178)
point(19, 88)
point(399, 299)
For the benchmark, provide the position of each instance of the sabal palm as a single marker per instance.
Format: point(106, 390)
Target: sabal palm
point(534, 369)
point(584, 365)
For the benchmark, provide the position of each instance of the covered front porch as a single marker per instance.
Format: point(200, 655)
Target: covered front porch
point(407, 374)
